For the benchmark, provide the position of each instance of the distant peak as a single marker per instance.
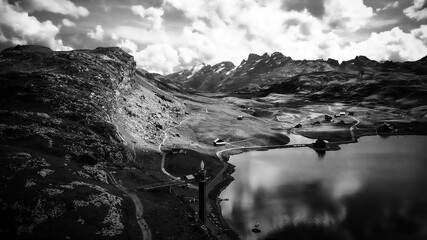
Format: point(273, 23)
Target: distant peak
point(225, 63)
point(253, 57)
point(198, 66)
point(362, 58)
point(333, 62)
point(277, 54)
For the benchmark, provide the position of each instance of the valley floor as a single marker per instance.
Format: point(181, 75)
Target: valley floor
point(254, 124)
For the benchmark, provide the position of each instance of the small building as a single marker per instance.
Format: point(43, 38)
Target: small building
point(299, 125)
point(176, 150)
point(316, 123)
point(239, 117)
point(218, 142)
point(189, 177)
point(327, 117)
point(342, 113)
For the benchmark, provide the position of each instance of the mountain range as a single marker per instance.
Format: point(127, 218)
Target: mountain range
point(359, 81)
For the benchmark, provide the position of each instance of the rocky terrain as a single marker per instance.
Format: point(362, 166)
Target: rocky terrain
point(359, 81)
point(66, 120)
point(253, 72)
point(202, 77)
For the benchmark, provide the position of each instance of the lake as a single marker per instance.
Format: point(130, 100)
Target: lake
point(373, 189)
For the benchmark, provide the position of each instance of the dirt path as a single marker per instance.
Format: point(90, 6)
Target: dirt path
point(145, 230)
point(353, 136)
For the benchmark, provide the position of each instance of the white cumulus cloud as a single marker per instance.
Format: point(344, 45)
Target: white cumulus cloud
point(420, 33)
point(158, 58)
point(223, 30)
point(68, 23)
point(394, 45)
point(128, 45)
point(153, 15)
point(18, 27)
point(349, 15)
point(418, 11)
point(65, 7)
point(98, 34)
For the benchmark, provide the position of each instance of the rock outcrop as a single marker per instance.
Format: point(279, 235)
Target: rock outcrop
point(64, 116)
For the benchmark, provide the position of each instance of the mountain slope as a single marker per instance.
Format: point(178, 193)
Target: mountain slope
point(252, 73)
point(202, 77)
point(65, 119)
point(359, 81)
point(259, 72)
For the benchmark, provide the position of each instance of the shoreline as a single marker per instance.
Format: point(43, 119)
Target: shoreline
point(227, 177)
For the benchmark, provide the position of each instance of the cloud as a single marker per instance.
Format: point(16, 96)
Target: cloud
point(159, 58)
point(17, 27)
point(418, 11)
point(223, 30)
point(187, 54)
point(394, 45)
point(68, 23)
point(127, 45)
point(143, 36)
point(421, 34)
point(3, 39)
point(229, 30)
point(65, 7)
point(192, 9)
point(347, 15)
point(316, 8)
point(98, 34)
point(388, 6)
point(153, 15)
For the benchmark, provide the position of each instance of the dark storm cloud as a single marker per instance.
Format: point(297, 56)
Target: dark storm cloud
point(315, 7)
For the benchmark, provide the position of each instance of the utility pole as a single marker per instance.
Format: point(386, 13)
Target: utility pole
point(202, 192)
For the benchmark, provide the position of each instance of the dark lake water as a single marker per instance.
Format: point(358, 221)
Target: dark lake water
point(373, 189)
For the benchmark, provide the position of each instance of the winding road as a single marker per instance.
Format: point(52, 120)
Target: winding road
point(353, 136)
point(145, 230)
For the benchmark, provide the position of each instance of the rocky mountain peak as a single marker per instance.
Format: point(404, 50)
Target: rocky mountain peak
point(223, 66)
point(265, 56)
point(333, 62)
point(253, 57)
point(277, 55)
point(359, 61)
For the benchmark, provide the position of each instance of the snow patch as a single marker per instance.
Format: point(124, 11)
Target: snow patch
point(195, 69)
point(231, 70)
point(219, 69)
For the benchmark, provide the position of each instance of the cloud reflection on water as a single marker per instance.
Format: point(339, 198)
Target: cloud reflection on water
point(292, 191)
point(274, 195)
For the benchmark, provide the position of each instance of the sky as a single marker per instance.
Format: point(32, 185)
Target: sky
point(166, 36)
